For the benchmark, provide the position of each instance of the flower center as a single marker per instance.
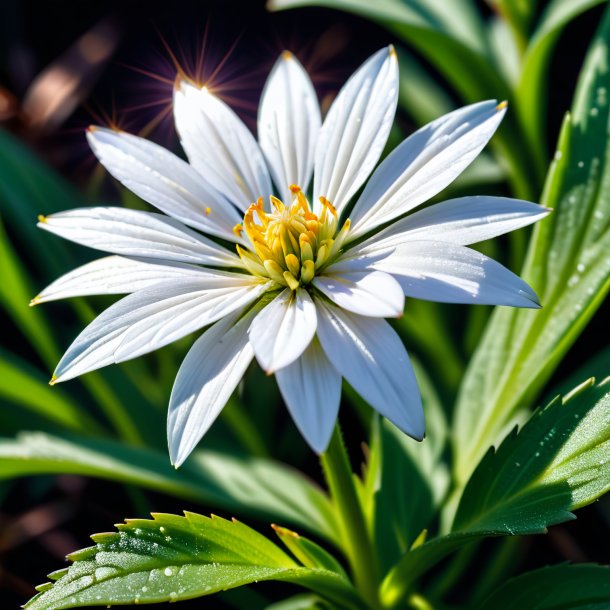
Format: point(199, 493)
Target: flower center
point(291, 243)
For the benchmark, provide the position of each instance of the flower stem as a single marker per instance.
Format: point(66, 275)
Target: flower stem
point(357, 543)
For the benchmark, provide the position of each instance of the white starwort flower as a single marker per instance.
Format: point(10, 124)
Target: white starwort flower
point(304, 284)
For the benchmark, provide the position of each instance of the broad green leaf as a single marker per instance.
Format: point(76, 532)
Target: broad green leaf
point(171, 558)
point(567, 264)
point(577, 587)
point(556, 464)
point(249, 486)
point(21, 384)
point(531, 89)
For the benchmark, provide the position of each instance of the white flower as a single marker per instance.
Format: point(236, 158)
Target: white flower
point(296, 284)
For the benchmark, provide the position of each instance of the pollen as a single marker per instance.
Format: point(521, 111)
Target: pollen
point(290, 244)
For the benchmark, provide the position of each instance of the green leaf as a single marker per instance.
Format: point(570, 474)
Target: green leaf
point(29, 188)
point(308, 552)
point(255, 487)
point(567, 265)
point(531, 89)
point(577, 587)
point(15, 294)
point(23, 385)
point(302, 601)
point(557, 463)
point(410, 479)
point(173, 558)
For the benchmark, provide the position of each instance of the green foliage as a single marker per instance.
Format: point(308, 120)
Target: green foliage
point(557, 463)
point(251, 486)
point(567, 265)
point(577, 587)
point(172, 558)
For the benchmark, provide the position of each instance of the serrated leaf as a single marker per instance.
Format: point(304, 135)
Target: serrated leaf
point(567, 265)
point(309, 553)
point(577, 587)
point(252, 486)
point(557, 463)
point(171, 558)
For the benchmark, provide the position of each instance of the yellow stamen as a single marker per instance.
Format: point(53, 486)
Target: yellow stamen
point(290, 243)
point(42, 218)
point(208, 210)
point(53, 380)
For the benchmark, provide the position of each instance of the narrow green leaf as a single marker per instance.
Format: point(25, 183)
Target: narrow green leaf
point(531, 89)
point(309, 553)
point(173, 558)
point(577, 587)
point(29, 188)
point(22, 384)
point(557, 463)
point(567, 265)
point(411, 479)
point(15, 294)
point(302, 601)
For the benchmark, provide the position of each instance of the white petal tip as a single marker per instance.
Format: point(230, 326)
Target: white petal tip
point(54, 380)
point(392, 52)
point(287, 56)
point(35, 301)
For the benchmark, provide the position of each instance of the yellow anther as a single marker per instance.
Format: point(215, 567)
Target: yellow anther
point(293, 264)
point(238, 229)
point(35, 301)
point(290, 242)
point(308, 271)
point(327, 204)
point(53, 380)
point(502, 105)
point(306, 249)
point(208, 210)
point(42, 218)
point(291, 281)
point(276, 273)
point(277, 203)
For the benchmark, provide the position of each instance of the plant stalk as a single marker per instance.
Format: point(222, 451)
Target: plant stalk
point(357, 543)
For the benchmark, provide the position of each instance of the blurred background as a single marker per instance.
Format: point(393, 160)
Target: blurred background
point(65, 65)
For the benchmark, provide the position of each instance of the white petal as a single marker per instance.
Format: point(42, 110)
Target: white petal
point(368, 293)
point(220, 146)
point(283, 329)
point(424, 164)
point(371, 356)
point(462, 221)
point(136, 233)
point(437, 271)
point(167, 182)
point(116, 275)
point(288, 124)
point(206, 379)
point(356, 129)
point(311, 388)
point(154, 317)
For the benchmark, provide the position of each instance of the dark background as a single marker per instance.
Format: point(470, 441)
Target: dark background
point(43, 519)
